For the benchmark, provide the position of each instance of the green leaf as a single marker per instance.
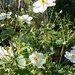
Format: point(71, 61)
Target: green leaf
point(40, 73)
point(2, 71)
point(44, 59)
point(59, 42)
point(6, 33)
point(21, 62)
point(2, 62)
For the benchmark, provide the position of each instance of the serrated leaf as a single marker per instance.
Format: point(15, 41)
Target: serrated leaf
point(2, 62)
point(44, 60)
point(59, 42)
point(21, 62)
point(5, 33)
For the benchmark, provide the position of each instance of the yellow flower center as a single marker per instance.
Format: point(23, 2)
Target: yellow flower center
point(43, 1)
point(72, 55)
point(36, 58)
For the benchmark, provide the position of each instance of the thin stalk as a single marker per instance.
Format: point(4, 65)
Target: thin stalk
point(19, 4)
point(62, 50)
point(19, 43)
point(9, 71)
point(43, 15)
point(70, 37)
point(51, 14)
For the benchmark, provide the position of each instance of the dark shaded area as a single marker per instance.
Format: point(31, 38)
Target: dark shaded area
point(5, 41)
point(13, 5)
point(22, 72)
point(68, 11)
point(67, 6)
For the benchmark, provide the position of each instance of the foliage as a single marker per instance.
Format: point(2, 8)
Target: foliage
point(50, 33)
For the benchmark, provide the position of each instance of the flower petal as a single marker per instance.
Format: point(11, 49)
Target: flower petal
point(38, 64)
point(40, 55)
point(72, 60)
point(50, 1)
point(73, 47)
point(51, 4)
point(3, 52)
point(24, 17)
point(31, 57)
point(36, 4)
point(72, 51)
point(41, 8)
point(10, 51)
point(67, 55)
point(20, 18)
point(29, 18)
point(1, 18)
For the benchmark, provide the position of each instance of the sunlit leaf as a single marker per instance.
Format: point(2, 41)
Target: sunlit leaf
point(21, 62)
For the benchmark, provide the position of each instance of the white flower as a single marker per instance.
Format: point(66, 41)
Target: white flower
point(61, 11)
point(25, 18)
point(70, 55)
point(41, 5)
point(5, 54)
point(2, 16)
point(73, 47)
point(5, 15)
point(36, 59)
point(2, 25)
point(8, 15)
point(20, 18)
point(10, 52)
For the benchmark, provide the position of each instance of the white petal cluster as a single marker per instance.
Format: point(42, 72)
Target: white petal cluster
point(5, 15)
point(41, 5)
point(70, 55)
point(36, 58)
point(25, 18)
point(6, 53)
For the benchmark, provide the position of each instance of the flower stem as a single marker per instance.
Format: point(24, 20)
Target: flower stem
point(51, 14)
point(62, 50)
